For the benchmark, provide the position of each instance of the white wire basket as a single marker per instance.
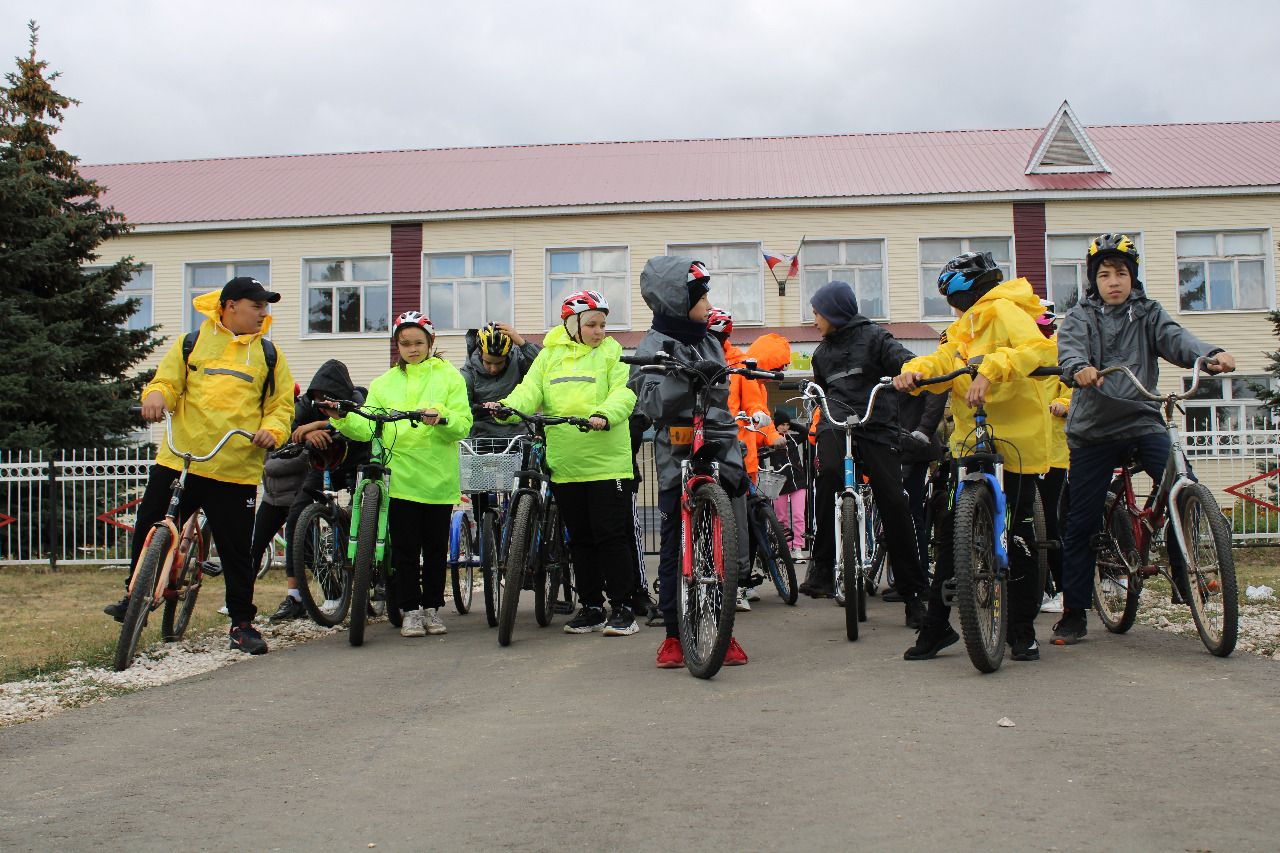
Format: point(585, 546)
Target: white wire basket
point(769, 482)
point(488, 464)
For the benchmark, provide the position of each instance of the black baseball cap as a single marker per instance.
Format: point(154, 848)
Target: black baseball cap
point(246, 287)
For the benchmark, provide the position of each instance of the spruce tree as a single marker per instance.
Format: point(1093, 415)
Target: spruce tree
point(67, 374)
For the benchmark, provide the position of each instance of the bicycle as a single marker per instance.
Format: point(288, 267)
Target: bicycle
point(709, 533)
point(171, 565)
point(771, 554)
point(532, 552)
point(488, 467)
point(1200, 533)
point(367, 550)
point(980, 533)
point(463, 558)
point(319, 552)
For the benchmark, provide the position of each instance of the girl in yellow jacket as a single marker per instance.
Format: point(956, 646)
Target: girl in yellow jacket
point(997, 321)
point(424, 466)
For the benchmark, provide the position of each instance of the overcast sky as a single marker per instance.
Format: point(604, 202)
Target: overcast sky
point(178, 79)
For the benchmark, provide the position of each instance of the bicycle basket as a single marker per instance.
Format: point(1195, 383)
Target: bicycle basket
point(488, 464)
point(770, 483)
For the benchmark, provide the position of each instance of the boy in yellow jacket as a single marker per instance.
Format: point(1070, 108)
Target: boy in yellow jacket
point(997, 321)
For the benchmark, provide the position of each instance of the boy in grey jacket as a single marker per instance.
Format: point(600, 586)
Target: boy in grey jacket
point(498, 357)
point(1115, 324)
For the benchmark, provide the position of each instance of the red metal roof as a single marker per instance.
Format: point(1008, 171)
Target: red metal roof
point(1142, 157)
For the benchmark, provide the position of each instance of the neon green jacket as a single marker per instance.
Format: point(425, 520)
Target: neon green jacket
point(569, 379)
point(424, 459)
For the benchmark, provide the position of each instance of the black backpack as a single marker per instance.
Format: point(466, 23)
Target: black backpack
point(268, 352)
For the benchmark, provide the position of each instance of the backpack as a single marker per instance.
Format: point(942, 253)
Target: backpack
point(268, 352)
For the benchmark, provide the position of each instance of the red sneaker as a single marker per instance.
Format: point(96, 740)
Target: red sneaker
point(735, 656)
point(670, 655)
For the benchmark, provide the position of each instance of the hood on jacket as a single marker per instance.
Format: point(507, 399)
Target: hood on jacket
point(332, 380)
point(210, 305)
point(1018, 291)
point(559, 337)
point(733, 356)
point(771, 352)
point(664, 284)
point(836, 302)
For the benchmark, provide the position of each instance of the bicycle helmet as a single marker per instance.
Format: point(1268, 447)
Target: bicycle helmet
point(583, 300)
point(331, 457)
point(698, 272)
point(413, 318)
point(1112, 246)
point(968, 271)
point(493, 341)
point(720, 322)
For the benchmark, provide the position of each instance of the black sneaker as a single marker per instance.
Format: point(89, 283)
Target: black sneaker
point(588, 619)
point(622, 622)
point(930, 641)
point(1023, 643)
point(291, 608)
point(116, 609)
point(915, 614)
point(1070, 629)
point(245, 638)
point(891, 595)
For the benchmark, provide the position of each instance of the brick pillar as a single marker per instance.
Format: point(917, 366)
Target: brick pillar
point(406, 271)
point(1028, 241)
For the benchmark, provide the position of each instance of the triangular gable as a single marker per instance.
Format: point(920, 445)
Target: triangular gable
point(1064, 146)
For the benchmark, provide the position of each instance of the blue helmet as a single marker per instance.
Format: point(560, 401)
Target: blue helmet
point(967, 271)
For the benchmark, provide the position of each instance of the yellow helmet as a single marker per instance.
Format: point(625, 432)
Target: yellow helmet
point(494, 341)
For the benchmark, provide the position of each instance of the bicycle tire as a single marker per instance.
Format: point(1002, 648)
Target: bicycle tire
point(1040, 530)
point(177, 610)
point(782, 567)
point(144, 587)
point(489, 567)
point(319, 565)
point(519, 545)
point(849, 584)
point(1116, 582)
point(547, 578)
point(1211, 570)
point(980, 588)
point(264, 562)
point(462, 572)
point(363, 568)
point(877, 561)
point(707, 602)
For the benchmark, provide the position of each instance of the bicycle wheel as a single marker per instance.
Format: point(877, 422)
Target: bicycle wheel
point(179, 606)
point(144, 587)
point(519, 550)
point(707, 599)
point(777, 557)
point(489, 567)
point(1041, 532)
point(551, 570)
point(1116, 580)
point(462, 572)
point(849, 585)
point(876, 559)
point(1211, 570)
point(363, 573)
point(319, 565)
point(980, 588)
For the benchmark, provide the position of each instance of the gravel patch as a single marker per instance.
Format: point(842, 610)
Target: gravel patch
point(1259, 623)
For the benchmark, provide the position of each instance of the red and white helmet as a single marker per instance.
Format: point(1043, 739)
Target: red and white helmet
point(698, 270)
point(414, 318)
point(720, 321)
point(583, 300)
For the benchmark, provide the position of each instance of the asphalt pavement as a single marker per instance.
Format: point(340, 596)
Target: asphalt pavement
point(559, 742)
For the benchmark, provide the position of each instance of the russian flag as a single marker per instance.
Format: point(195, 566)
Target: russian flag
point(773, 259)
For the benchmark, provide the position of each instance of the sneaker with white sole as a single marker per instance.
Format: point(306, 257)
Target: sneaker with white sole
point(752, 595)
point(743, 606)
point(413, 626)
point(434, 624)
point(588, 619)
point(622, 622)
point(1052, 604)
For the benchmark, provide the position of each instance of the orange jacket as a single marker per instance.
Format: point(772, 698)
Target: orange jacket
point(771, 352)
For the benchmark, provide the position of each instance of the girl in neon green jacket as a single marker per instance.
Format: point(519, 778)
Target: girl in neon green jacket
point(578, 374)
point(424, 465)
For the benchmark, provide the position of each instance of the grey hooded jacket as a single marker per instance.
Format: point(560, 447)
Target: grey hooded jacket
point(668, 400)
point(1136, 334)
point(483, 388)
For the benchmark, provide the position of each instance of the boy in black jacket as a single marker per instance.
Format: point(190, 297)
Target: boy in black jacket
point(852, 357)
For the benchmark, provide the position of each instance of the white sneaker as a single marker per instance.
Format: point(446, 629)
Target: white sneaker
point(412, 625)
point(752, 595)
point(1052, 605)
point(743, 606)
point(434, 624)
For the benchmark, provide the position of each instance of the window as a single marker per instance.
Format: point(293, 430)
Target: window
point(348, 296)
point(935, 252)
point(1225, 418)
point(858, 262)
point(202, 278)
point(466, 291)
point(737, 282)
point(602, 269)
point(1224, 271)
point(1068, 270)
point(137, 287)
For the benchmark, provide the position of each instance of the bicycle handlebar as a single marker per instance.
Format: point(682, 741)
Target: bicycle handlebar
point(384, 416)
point(191, 457)
point(972, 370)
point(539, 419)
point(813, 391)
point(662, 362)
point(1196, 369)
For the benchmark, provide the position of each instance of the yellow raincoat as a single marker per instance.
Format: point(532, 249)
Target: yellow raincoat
point(1001, 327)
point(1059, 456)
point(220, 389)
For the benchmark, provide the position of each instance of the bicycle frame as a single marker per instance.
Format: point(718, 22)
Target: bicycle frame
point(694, 472)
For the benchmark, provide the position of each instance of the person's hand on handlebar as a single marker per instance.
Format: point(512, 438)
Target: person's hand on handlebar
point(907, 381)
point(598, 423)
point(1222, 362)
point(428, 416)
point(153, 407)
point(977, 393)
point(264, 439)
point(1087, 377)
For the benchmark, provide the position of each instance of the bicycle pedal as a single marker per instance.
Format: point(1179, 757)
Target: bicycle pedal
point(949, 592)
point(211, 568)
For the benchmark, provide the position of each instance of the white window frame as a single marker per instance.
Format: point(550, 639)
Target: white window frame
point(551, 313)
point(469, 256)
point(1215, 443)
point(1268, 271)
point(712, 263)
point(124, 293)
point(1082, 272)
point(806, 310)
point(305, 302)
point(965, 242)
point(230, 271)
